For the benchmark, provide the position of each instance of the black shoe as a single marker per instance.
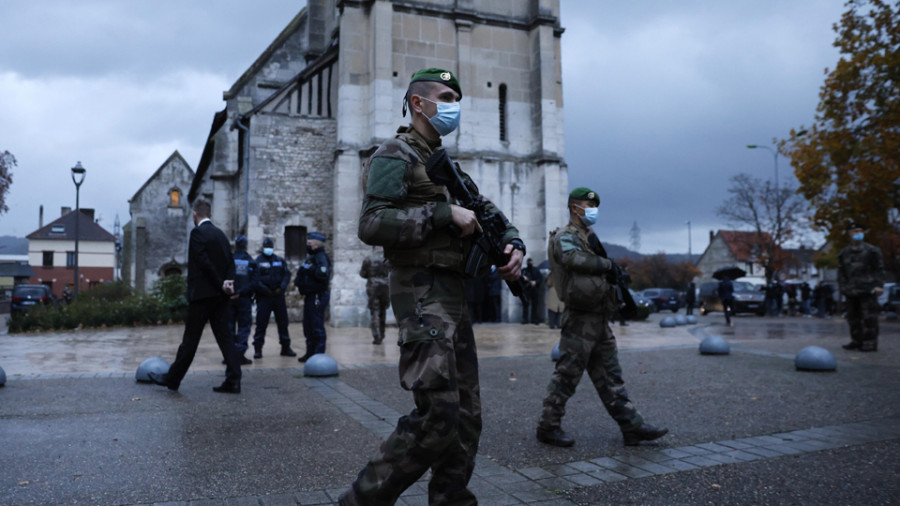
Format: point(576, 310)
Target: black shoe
point(555, 437)
point(162, 380)
point(257, 354)
point(227, 388)
point(245, 360)
point(643, 433)
point(852, 345)
point(868, 346)
point(305, 357)
point(286, 351)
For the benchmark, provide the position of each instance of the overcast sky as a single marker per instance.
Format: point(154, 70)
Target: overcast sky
point(660, 97)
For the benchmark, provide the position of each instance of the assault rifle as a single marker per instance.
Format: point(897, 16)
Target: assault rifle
point(489, 242)
point(616, 277)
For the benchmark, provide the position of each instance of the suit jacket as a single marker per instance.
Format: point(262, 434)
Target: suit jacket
point(210, 262)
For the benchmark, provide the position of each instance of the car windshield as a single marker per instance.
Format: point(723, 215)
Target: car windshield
point(30, 291)
point(741, 286)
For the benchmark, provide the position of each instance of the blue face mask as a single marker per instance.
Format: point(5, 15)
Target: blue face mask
point(858, 237)
point(590, 215)
point(446, 119)
point(268, 251)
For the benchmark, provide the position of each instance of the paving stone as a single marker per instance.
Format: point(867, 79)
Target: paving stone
point(723, 458)
point(701, 461)
point(694, 450)
point(737, 445)
point(679, 465)
point(584, 480)
point(713, 447)
point(288, 500)
point(742, 455)
point(607, 475)
point(655, 456)
point(563, 470)
point(558, 483)
point(582, 466)
point(785, 449)
point(500, 500)
point(313, 497)
point(519, 486)
point(675, 454)
point(536, 473)
point(621, 468)
point(243, 501)
point(533, 496)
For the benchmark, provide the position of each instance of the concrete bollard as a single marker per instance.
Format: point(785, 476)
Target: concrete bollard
point(2, 377)
point(714, 345)
point(319, 365)
point(691, 319)
point(667, 322)
point(155, 365)
point(815, 358)
point(554, 355)
point(680, 320)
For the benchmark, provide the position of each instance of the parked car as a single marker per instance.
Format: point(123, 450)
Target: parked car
point(893, 299)
point(747, 298)
point(883, 299)
point(640, 300)
point(28, 296)
point(663, 298)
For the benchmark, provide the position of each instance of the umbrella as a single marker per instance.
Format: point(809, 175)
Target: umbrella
point(731, 272)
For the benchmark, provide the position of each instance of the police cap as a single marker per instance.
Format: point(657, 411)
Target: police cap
point(855, 224)
point(268, 242)
point(317, 236)
point(582, 193)
point(240, 241)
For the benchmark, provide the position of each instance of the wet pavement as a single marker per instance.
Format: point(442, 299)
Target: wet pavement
point(745, 428)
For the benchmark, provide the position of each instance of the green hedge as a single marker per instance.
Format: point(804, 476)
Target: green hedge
point(110, 304)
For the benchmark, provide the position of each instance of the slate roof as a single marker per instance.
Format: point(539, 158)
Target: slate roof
point(16, 270)
point(88, 230)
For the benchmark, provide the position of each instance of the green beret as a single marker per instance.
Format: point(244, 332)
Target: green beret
point(582, 193)
point(439, 76)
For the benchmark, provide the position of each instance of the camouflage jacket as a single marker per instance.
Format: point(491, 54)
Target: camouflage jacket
point(579, 274)
point(376, 270)
point(407, 213)
point(860, 269)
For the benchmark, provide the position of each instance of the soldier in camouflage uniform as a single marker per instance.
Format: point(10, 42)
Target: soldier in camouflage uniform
point(861, 276)
point(375, 269)
point(411, 217)
point(581, 279)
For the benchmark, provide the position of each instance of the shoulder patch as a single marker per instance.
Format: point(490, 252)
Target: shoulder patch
point(386, 178)
point(569, 242)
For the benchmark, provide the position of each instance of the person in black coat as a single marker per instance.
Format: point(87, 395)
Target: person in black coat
point(726, 294)
point(210, 282)
point(313, 278)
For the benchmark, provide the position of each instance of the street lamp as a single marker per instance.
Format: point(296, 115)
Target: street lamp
point(774, 152)
point(78, 173)
point(690, 256)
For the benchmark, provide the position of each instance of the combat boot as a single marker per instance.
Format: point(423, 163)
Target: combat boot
point(868, 346)
point(257, 353)
point(645, 432)
point(286, 351)
point(852, 345)
point(555, 437)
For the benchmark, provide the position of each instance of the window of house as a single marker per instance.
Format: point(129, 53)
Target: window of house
point(58, 229)
point(502, 91)
point(48, 259)
point(175, 198)
point(70, 259)
point(294, 243)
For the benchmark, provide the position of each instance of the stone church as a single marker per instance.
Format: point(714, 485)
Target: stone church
point(284, 157)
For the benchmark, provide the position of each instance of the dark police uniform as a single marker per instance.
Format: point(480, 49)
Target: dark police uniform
point(375, 269)
point(312, 281)
point(240, 308)
point(410, 216)
point(274, 277)
point(861, 269)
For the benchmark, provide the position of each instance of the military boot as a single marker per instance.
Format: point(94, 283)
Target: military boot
point(645, 432)
point(555, 437)
point(286, 351)
point(257, 353)
point(852, 345)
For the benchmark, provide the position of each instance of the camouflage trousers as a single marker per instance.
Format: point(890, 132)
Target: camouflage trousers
point(588, 344)
point(438, 363)
point(379, 300)
point(862, 315)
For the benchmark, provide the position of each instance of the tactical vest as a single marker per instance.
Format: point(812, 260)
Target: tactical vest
point(579, 291)
point(442, 249)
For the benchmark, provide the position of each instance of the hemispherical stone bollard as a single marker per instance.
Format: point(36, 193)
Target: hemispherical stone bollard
point(714, 345)
point(155, 365)
point(2, 377)
point(320, 364)
point(680, 320)
point(667, 322)
point(554, 355)
point(691, 319)
point(815, 358)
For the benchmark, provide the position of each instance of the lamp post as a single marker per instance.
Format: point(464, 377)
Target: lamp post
point(775, 153)
point(78, 173)
point(690, 256)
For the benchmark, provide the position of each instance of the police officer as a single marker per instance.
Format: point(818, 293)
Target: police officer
point(312, 281)
point(241, 304)
point(410, 216)
point(534, 281)
point(375, 269)
point(587, 342)
point(861, 277)
point(274, 276)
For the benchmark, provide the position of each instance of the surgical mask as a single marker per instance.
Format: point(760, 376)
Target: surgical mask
point(590, 215)
point(858, 237)
point(268, 251)
point(446, 119)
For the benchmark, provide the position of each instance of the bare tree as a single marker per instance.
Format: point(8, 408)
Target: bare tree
point(776, 215)
point(7, 162)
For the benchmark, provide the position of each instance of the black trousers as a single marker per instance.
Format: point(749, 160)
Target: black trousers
point(215, 311)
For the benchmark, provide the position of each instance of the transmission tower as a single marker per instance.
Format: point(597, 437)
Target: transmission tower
point(635, 235)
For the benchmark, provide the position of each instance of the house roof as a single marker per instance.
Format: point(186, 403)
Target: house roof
point(206, 158)
point(63, 228)
point(741, 243)
point(16, 270)
point(175, 155)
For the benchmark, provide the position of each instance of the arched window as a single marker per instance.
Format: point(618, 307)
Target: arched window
point(502, 91)
point(175, 198)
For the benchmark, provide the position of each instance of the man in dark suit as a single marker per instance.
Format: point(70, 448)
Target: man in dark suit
point(209, 283)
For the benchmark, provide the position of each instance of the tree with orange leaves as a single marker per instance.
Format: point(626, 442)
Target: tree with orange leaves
point(848, 161)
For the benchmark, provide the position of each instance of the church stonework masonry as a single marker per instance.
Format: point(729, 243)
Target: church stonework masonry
point(284, 157)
